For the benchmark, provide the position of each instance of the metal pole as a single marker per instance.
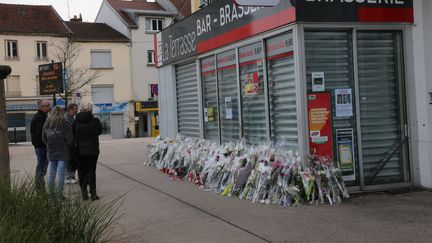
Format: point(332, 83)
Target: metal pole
point(4, 146)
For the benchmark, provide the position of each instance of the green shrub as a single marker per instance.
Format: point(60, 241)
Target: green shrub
point(30, 216)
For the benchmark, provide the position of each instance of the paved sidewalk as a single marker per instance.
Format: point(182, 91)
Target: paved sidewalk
point(157, 209)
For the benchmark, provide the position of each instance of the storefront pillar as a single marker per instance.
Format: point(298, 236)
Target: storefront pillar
point(421, 109)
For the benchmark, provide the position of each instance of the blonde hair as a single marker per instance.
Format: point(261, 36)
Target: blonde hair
point(88, 107)
point(56, 118)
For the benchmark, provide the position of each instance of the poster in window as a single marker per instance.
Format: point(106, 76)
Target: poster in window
point(318, 83)
point(228, 108)
point(251, 83)
point(320, 124)
point(345, 150)
point(210, 114)
point(344, 107)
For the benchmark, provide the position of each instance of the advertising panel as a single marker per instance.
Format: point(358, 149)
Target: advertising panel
point(320, 124)
point(50, 78)
point(345, 150)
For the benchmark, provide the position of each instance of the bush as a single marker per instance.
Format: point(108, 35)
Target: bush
point(30, 216)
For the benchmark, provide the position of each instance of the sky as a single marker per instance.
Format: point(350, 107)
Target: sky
point(88, 8)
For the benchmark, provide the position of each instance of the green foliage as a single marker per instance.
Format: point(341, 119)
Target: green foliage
point(30, 216)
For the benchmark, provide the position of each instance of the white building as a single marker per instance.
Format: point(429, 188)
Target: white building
point(139, 21)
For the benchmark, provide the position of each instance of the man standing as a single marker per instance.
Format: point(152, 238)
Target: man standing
point(69, 116)
point(36, 126)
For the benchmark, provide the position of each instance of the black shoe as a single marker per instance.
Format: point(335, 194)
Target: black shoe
point(85, 197)
point(94, 197)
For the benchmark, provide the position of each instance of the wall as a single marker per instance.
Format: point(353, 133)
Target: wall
point(421, 113)
point(143, 74)
point(119, 75)
point(110, 17)
point(27, 65)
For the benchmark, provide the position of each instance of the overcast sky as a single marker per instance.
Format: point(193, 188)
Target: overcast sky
point(88, 8)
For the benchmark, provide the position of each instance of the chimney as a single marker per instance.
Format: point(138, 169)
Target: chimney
point(77, 19)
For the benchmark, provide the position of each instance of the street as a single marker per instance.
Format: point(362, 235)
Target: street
point(157, 209)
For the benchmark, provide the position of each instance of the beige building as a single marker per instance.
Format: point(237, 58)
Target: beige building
point(105, 51)
point(28, 35)
point(31, 36)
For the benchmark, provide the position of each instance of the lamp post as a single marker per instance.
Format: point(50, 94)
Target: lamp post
point(4, 147)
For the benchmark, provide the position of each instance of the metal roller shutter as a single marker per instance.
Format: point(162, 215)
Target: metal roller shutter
point(282, 87)
point(379, 93)
point(209, 86)
point(227, 81)
point(187, 100)
point(253, 103)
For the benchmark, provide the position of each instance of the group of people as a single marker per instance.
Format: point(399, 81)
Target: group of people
point(66, 141)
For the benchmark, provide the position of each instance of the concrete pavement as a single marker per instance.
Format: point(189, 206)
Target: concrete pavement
point(157, 209)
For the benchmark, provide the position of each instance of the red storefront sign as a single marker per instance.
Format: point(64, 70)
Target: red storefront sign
point(320, 124)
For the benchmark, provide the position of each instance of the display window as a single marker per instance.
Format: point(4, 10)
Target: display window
point(252, 93)
point(282, 90)
point(228, 96)
point(209, 96)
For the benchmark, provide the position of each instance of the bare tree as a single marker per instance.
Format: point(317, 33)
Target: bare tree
point(76, 77)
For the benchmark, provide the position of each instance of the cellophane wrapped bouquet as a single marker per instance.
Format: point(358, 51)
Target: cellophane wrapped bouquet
point(266, 173)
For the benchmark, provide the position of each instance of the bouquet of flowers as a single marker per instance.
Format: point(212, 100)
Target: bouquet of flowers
point(267, 173)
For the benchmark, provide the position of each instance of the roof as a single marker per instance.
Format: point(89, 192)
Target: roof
point(26, 19)
point(187, 8)
point(140, 6)
point(119, 6)
point(95, 32)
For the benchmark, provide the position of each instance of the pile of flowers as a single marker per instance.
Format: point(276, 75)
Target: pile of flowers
point(270, 174)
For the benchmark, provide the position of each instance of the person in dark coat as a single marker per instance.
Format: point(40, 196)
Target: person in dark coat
point(69, 116)
point(57, 135)
point(36, 126)
point(87, 129)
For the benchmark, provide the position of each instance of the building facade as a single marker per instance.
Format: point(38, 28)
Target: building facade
point(352, 87)
point(35, 35)
point(139, 21)
point(105, 51)
point(28, 35)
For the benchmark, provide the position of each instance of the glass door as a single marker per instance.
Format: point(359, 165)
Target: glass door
point(382, 117)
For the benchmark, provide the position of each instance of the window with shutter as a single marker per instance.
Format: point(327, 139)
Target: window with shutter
point(282, 90)
point(209, 91)
point(252, 93)
point(228, 96)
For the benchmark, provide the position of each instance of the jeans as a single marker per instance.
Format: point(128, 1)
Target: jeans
point(41, 167)
point(56, 167)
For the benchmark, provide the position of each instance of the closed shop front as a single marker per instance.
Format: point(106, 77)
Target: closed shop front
point(275, 74)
